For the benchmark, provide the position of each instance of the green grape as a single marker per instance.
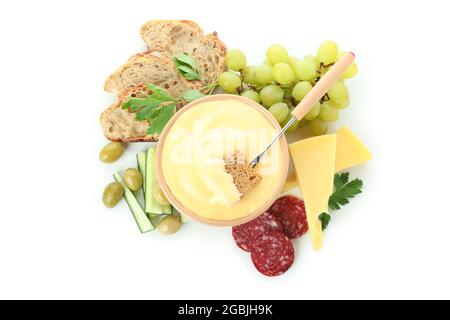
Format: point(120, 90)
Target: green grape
point(314, 112)
point(264, 74)
point(279, 111)
point(271, 94)
point(328, 113)
point(259, 86)
point(276, 54)
point(236, 60)
point(229, 82)
point(327, 52)
point(340, 104)
point(252, 95)
point(338, 92)
point(305, 70)
point(341, 54)
point(318, 127)
point(293, 126)
point(292, 61)
point(313, 59)
point(303, 123)
point(351, 71)
point(250, 75)
point(287, 92)
point(283, 73)
point(301, 89)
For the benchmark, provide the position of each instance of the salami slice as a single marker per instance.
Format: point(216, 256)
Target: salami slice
point(272, 253)
point(246, 233)
point(291, 212)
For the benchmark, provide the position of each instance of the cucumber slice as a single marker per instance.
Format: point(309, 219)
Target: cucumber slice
point(184, 218)
point(141, 162)
point(167, 209)
point(152, 207)
point(143, 222)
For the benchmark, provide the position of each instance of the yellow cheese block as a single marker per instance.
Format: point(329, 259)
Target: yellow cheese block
point(350, 152)
point(314, 162)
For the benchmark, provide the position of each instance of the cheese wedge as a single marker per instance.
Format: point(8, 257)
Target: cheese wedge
point(350, 152)
point(314, 162)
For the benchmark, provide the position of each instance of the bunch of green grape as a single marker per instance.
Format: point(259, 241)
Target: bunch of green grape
point(282, 81)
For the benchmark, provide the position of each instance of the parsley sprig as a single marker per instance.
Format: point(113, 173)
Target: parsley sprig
point(343, 192)
point(187, 66)
point(159, 107)
point(325, 219)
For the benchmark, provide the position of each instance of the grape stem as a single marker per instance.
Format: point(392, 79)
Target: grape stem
point(291, 101)
point(210, 87)
point(325, 98)
point(240, 90)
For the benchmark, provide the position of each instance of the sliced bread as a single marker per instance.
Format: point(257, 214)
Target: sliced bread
point(164, 38)
point(176, 36)
point(149, 67)
point(170, 35)
point(120, 125)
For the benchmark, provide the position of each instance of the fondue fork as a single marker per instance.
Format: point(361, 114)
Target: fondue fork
point(316, 93)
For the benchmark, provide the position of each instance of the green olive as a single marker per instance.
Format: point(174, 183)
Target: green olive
point(112, 194)
point(111, 152)
point(169, 225)
point(133, 179)
point(159, 195)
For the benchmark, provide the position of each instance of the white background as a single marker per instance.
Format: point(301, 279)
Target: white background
point(58, 241)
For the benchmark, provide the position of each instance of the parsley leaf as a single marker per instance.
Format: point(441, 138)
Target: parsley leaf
point(340, 180)
point(158, 107)
point(159, 93)
point(146, 112)
point(188, 73)
point(325, 219)
point(186, 59)
point(135, 104)
point(159, 118)
point(192, 95)
point(344, 190)
point(186, 66)
point(150, 108)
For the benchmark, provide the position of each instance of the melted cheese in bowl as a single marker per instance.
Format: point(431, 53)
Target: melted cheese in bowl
point(193, 150)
